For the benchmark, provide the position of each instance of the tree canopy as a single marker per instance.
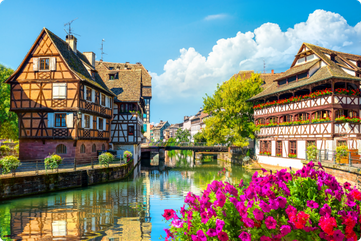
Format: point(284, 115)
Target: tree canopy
point(8, 120)
point(231, 117)
point(182, 135)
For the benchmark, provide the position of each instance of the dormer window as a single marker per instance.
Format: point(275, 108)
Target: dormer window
point(333, 57)
point(111, 68)
point(44, 64)
point(111, 76)
point(358, 64)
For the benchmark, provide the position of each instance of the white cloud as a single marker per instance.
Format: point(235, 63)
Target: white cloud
point(1, 1)
point(215, 16)
point(192, 74)
point(359, 1)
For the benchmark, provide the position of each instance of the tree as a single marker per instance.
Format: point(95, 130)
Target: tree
point(231, 120)
point(8, 120)
point(182, 135)
point(199, 137)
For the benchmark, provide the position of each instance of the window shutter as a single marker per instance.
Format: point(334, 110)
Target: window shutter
point(53, 63)
point(104, 124)
point(82, 121)
point(69, 119)
point(62, 91)
point(84, 92)
point(36, 64)
point(97, 127)
point(50, 120)
point(91, 122)
point(106, 101)
point(93, 95)
point(55, 91)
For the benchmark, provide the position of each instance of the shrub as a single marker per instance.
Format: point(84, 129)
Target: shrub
point(4, 150)
point(341, 152)
point(127, 156)
point(307, 205)
point(105, 158)
point(52, 162)
point(9, 163)
point(311, 153)
point(16, 148)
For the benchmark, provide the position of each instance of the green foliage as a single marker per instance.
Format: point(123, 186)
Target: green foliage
point(231, 117)
point(341, 152)
point(16, 148)
point(182, 135)
point(199, 137)
point(127, 156)
point(9, 163)
point(8, 120)
point(171, 142)
point(311, 153)
point(52, 162)
point(105, 158)
point(4, 150)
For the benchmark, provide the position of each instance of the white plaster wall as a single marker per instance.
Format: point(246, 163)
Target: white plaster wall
point(285, 148)
point(279, 161)
point(273, 150)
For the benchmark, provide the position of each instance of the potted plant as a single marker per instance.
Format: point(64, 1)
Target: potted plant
point(52, 162)
point(341, 154)
point(105, 158)
point(127, 156)
point(311, 153)
point(9, 163)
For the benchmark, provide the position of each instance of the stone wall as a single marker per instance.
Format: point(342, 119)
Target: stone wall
point(14, 187)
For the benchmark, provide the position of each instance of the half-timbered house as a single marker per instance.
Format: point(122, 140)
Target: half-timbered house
point(129, 108)
point(63, 106)
point(316, 101)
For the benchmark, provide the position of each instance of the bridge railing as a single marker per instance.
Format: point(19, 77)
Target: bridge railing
point(184, 144)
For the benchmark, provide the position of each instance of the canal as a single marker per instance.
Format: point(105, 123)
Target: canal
point(126, 210)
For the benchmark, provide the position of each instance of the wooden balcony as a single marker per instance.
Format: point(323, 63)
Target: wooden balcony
point(309, 104)
point(323, 129)
point(95, 108)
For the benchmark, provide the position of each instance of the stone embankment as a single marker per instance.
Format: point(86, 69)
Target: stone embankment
point(20, 186)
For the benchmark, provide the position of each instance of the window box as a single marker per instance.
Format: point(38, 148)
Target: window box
point(265, 153)
point(292, 155)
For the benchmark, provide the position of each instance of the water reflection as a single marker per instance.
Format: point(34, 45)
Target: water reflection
point(128, 210)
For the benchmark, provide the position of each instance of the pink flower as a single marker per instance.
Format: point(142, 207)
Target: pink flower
point(248, 222)
point(265, 238)
point(258, 215)
point(168, 214)
point(270, 222)
point(222, 236)
point(177, 223)
point(244, 236)
point(201, 236)
point(211, 232)
point(285, 229)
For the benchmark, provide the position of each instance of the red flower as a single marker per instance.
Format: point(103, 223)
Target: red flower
point(169, 213)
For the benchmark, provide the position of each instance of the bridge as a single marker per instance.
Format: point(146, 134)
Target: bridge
point(196, 147)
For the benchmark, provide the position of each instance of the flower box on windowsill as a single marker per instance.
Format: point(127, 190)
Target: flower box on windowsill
point(320, 122)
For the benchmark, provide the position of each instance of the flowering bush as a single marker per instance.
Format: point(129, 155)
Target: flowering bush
point(341, 152)
point(4, 150)
point(307, 205)
point(52, 162)
point(266, 153)
point(292, 155)
point(343, 91)
point(9, 163)
point(127, 156)
point(311, 153)
point(105, 158)
point(348, 119)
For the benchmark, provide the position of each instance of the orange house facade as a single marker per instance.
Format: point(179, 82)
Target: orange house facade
point(63, 106)
point(317, 101)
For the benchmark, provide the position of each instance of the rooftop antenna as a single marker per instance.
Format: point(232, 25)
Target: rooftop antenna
point(102, 48)
point(264, 67)
point(70, 32)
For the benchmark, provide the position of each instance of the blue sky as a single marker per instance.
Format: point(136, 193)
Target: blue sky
point(187, 46)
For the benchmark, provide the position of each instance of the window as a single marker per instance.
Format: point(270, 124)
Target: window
point(100, 125)
point(310, 143)
point(82, 148)
point(265, 146)
point(279, 148)
point(88, 94)
point(291, 79)
point(282, 82)
point(86, 121)
point(303, 75)
point(303, 116)
point(286, 118)
point(293, 147)
point(111, 76)
point(103, 147)
point(44, 64)
point(111, 68)
point(94, 148)
point(60, 120)
point(130, 130)
point(59, 90)
point(60, 149)
point(260, 121)
point(102, 100)
point(341, 143)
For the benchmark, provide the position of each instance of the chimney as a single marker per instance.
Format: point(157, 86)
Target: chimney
point(91, 57)
point(72, 41)
point(273, 72)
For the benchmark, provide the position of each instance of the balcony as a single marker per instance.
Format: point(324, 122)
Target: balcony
point(309, 103)
point(318, 129)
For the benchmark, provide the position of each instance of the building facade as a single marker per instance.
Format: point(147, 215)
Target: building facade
point(129, 107)
point(158, 130)
point(63, 106)
point(115, 72)
point(316, 101)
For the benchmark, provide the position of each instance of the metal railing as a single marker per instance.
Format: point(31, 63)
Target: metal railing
point(347, 158)
point(37, 166)
point(183, 144)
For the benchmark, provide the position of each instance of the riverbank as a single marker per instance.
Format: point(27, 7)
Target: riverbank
point(21, 186)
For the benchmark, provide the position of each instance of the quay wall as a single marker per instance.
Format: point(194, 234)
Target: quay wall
point(20, 186)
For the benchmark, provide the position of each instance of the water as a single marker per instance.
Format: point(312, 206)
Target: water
point(126, 210)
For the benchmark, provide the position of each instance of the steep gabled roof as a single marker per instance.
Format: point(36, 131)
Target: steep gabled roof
point(331, 69)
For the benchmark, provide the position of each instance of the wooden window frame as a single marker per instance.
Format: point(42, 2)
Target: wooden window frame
point(85, 122)
point(131, 133)
point(279, 148)
point(309, 142)
point(82, 148)
point(102, 100)
point(100, 126)
point(63, 149)
point(294, 148)
point(55, 118)
point(89, 93)
point(42, 63)
point(341, 141)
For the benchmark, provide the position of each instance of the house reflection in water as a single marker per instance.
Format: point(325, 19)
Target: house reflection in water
point(117, 211)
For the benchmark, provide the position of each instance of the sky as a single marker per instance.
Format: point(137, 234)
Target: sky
point(187, 46)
